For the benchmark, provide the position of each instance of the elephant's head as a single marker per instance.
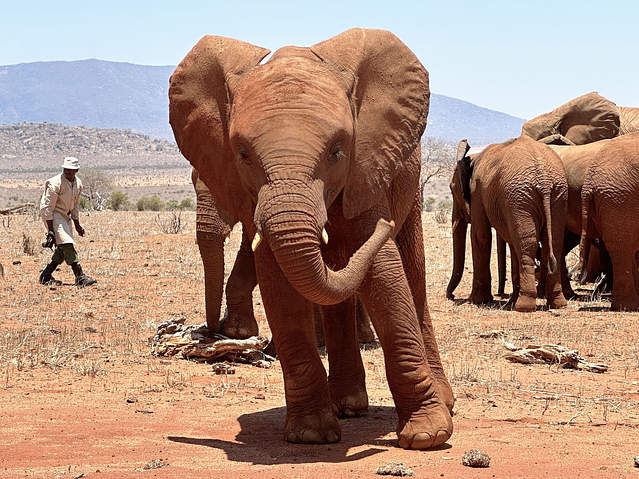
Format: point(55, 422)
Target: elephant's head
point(277, 143)
point(460, 188)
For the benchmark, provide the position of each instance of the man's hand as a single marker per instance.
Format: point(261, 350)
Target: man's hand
point(79, 229)
point(50, 240)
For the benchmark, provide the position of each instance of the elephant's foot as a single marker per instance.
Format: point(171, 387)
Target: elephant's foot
point(428, 427)
point(319, 428)
point(568, 292)
point(525, 304)
point(557, 302)
point(624, 304)
point(238, 325)
point(349, 397)
point(480, 297)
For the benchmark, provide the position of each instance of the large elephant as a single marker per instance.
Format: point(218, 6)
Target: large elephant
point(517, 187)
point(319, 143)
point(610, 211)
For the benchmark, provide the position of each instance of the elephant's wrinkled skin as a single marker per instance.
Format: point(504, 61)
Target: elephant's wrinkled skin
point(323, 142)
point(610, 211)
point(517, 187)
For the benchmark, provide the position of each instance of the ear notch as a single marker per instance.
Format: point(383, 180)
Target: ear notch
point(390, 97)
point(199, 105)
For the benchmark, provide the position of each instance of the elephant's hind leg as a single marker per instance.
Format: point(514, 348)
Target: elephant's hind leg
point(310, 416)
point(347, 378)
point(625, 295)
point(239, 321)
point(410, 242)
point(424, 419)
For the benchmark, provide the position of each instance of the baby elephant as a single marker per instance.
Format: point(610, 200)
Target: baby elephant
point(519, 188)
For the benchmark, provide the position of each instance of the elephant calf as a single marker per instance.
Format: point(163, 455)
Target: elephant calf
point(519, 188)
point(610, 211)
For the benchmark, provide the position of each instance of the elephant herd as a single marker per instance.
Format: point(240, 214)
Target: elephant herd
point(316, 151)
point(571, 178)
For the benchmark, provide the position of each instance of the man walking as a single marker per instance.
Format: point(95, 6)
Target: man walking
point(58, 206)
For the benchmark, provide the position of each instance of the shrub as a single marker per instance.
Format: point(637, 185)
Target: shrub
point(172, 205)
point(187, 204)
point(84, 203)
point(29, 245)
point(118, 201)
point(171, 225)
point(150, 203)
point(429, 204)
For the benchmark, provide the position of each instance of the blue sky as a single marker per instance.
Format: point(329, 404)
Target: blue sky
point(519, 57)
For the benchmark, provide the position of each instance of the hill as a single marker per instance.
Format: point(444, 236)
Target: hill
point(96, 93)
point(34, 149)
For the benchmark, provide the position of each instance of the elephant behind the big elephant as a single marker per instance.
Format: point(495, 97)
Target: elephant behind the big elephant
point(610, 211)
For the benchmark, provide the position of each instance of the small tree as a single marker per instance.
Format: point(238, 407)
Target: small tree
point(152, 203)
point(96, 187)
point(438, 157)
point(187, 204)
point(118, 201)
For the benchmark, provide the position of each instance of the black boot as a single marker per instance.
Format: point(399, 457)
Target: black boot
point(47, 275)
point(81, 279)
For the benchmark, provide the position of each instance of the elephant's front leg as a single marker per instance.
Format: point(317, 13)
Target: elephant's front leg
point(410, 242)
point(347, 378)
point(310, 416)
point(424, 419)
point(211, 248)
point(240, 321)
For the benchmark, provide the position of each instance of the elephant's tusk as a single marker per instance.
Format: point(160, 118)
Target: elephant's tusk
point(324, 236)
point(256, 242)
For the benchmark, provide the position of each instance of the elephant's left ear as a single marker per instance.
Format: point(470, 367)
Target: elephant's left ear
point(390, 95)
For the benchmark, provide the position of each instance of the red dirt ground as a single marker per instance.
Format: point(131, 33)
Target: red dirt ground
point(80, 392)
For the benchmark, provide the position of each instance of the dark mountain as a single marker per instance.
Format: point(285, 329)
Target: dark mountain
point(101, 94)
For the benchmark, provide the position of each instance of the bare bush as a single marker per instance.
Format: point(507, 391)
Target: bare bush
point(438, 158)
point(96, 185)
point(29, 245)
point(171, 224)
point(442, 216)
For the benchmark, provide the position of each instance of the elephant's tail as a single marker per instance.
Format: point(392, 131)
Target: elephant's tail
point(552, 261)
point(586, 207)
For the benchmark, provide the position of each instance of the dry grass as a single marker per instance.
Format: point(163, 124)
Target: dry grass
point(50, 338)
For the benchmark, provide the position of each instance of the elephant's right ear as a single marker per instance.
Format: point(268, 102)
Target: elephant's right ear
point(199, 106)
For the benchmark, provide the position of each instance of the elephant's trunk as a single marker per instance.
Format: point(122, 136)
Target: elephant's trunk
point(289, 222)
point(460, 225)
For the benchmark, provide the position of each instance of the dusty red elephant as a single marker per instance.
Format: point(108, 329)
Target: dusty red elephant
point(518, 187)
point(321, 145)
point(610, 211)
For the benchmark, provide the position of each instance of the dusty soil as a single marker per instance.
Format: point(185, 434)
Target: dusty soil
point(81, 394)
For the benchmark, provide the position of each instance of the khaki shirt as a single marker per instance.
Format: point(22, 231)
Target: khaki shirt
point(59, 203)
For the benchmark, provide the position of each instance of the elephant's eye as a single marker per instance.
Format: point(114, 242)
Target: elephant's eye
point(336, 153)
point(243, 156)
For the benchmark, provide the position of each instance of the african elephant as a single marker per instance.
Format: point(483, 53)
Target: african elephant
point(517, 187)
point(585, 119)
point(610, 208)
point(318, 143)
point(213, 226)
point(576, 160)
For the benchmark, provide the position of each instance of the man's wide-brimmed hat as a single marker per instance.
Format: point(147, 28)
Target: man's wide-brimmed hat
point(71, 163)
